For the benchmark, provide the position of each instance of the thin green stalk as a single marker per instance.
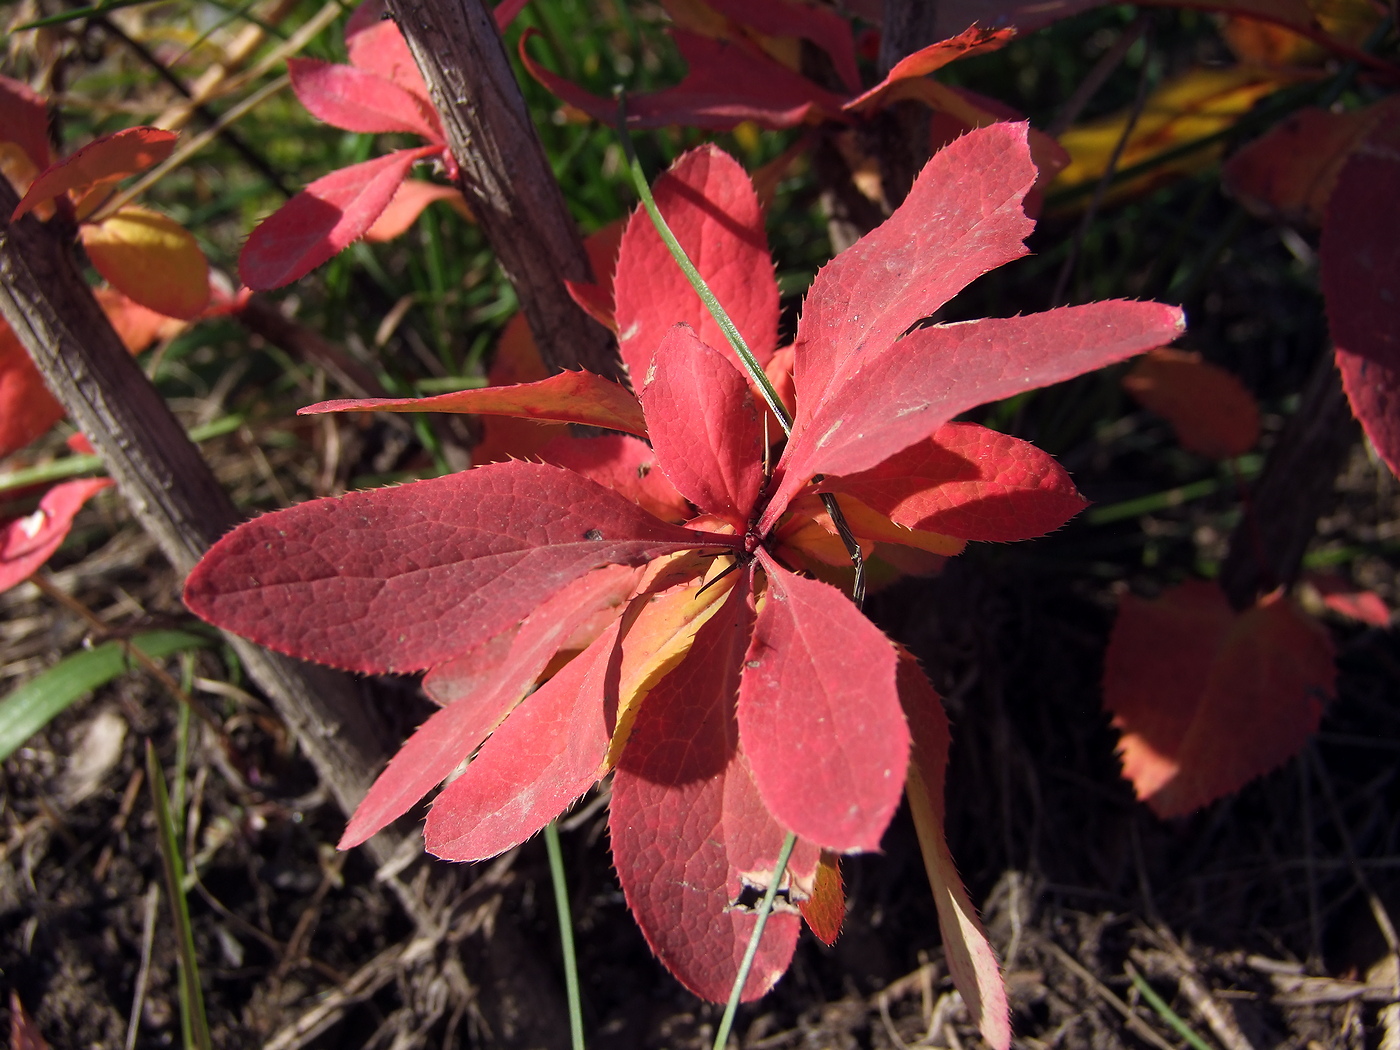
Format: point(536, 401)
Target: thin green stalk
point(193, 1023)
point(566, 932)
point(742, 978)
point(727, 326)
point(1166, 1013)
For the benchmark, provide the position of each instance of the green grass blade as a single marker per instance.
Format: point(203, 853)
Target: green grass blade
point(1167, 1014)
point(765, 909)
point(193, 1022)
point(32, 706)
point(566, 933)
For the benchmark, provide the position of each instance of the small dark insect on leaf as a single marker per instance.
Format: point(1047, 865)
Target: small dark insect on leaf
point(593, 534)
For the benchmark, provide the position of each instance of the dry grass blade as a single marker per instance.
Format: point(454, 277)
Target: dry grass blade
point(1135, 1024)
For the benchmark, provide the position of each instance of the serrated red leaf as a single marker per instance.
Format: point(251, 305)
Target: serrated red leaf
point(113, 156)
point(541, 759)
point(934, 373)
point(323, 219)
point(974, 40)
point(460, 677)
point(400, 579)
point(972, 962)
point(376, 45)
point(704, 426)
point(970, 482)
point(825, 910)
point(624, 464)
point(710, 204)
point(24, 120)
point(1360, 270)
point(1207, 699)
point(819, 716)
point(354, 99)
point(1209, 409)
point(962, 217)
point(818, 25)
point(1345, 598)
point(408, 202)
point(27, 409)
point(27, 542)
point(566, 397)
point(449, 736)
point(688, 830)
point(728, 83)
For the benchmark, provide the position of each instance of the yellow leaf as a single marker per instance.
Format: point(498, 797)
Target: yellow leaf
point(657, 633)
point(150, 258)
point(1199, 103)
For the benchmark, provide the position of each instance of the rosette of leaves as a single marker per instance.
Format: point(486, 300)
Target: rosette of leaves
point(648, 609)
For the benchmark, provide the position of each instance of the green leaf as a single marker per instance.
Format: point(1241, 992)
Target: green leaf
point(33, 705)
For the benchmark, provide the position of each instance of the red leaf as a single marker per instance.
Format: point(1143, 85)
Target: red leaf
point(624, 464)
point(820, 25)
point(1346, 599)
point(819, 716)
point(825, 910)
point(970, 482)
point(464, 674)
point(27, 409)
point(1208, 699)
point(974, 40)
point(704, 426)
point(934, 373)
point(377, 46)
point(689, 832)
point(506, 12)
point(567, 397)
point(542, 758)
point(728, 83)
point(962, 218)
point(408, 202)
point(353, 99)
point(137, 326)
point(447, 738)
point(113, 156)
point(399, 579)
point(323, 219)
point(971, 960)
point(1360, 263)
point(24, 1033)
point(24, 120)
point(710, 205)
point(27, 542)
point(1210, 410)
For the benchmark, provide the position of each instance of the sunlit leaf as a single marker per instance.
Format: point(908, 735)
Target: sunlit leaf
point(113, 156)
point(151, 258)
point(27, 542)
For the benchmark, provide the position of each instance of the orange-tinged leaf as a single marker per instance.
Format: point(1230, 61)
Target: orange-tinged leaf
point(825, 910)
point(1206, 698)
point(24, 1033)
point(1263, 43)
point(656, 634)
point(1209, 409)
point(567, 397)
point(971, 958)
point(27, 409)
point(27, 542)
point(1184, 108)
point(810, 529)
point(137, 326)
point(973, 40)
point(151, 258)
point(1290, 172)
point(408, 202)
point(113, 156)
